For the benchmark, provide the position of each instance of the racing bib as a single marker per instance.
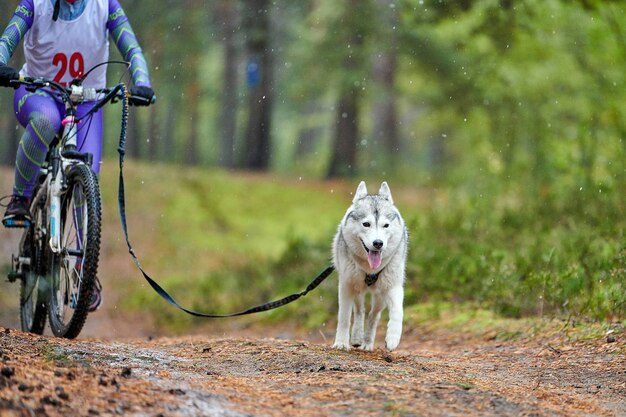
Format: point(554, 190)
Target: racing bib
point(64, 50)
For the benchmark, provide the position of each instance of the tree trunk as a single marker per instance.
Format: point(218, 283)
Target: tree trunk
point(343, 161)
point(192, 151)
point(168, 144)
point(385, 136)
point(133, 147)
point(259, 81)
point(153, 134)
point(344, 150)
point(227, 15)
point(385, 132)
point(309, 134)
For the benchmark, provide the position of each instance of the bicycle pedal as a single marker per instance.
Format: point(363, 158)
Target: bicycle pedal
point(14, 276)
point(16, 224)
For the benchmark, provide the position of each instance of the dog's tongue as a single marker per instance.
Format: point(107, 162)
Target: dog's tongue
point(374, 259)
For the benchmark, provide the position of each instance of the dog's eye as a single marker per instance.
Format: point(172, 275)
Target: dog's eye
point(366, 224)
point(386, 225)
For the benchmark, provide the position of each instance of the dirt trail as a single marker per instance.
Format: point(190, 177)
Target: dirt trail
point(436, 374)
point(278, 372)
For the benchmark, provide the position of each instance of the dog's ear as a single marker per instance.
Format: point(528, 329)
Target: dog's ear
point(361, 192)
point(385, 192)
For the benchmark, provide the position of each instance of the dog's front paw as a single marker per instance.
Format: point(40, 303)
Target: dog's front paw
point(341, 346)
point(392, 342)
point(369, 346)
point(356, 341)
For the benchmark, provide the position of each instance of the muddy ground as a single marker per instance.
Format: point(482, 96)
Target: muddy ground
point(256, 373)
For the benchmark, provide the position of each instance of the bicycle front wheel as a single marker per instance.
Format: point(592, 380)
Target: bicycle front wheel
point(73, 269)
point(32, 289)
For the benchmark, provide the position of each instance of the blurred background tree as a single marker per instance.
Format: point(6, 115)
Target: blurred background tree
point(426, 90)
point(508, 115)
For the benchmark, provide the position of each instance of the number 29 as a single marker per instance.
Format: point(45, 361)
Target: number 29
point(75, 65)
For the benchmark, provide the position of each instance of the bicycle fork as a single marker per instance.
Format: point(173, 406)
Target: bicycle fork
point(54, 196)
point(57, 187)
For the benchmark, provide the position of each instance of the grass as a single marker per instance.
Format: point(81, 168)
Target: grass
point(478, 323)
point(214, 217)
point(224, 241)
point(206, 235)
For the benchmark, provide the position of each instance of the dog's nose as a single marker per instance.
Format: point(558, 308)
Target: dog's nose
point(378, 244)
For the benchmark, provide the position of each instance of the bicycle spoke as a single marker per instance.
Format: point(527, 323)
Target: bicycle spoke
point(76, 262)
point(79, 216)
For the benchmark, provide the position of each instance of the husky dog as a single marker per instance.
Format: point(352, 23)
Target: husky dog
point(369, 253)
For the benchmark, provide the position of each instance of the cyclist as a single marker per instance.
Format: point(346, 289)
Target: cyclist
point(62, 39)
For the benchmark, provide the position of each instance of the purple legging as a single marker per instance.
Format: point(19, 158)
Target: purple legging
point(41, 114)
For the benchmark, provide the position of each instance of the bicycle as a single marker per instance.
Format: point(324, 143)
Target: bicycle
point(59, 251)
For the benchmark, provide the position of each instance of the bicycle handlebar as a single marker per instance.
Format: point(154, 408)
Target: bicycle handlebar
point(79, 95)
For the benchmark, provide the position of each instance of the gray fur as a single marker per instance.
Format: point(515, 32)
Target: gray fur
point(370, 220)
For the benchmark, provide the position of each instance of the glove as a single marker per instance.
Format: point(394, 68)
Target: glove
point(146, 94)
point(7, 74)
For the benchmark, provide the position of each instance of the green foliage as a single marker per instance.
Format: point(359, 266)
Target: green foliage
point(511, 121)
point(222, 242)
point(240, 242)
point(521, 256)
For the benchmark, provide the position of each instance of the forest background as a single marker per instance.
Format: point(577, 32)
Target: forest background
point(500, 124)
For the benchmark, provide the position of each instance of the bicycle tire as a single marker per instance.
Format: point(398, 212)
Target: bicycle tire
point(73, 270)
point(33, 300)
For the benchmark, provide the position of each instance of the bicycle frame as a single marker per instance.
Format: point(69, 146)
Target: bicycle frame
point(59, 251)
point(59, 164)
point(64, 154)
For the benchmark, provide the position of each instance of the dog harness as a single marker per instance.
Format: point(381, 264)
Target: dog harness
point(370, 279)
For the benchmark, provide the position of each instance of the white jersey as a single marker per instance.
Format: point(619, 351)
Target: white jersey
point(64, 50)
